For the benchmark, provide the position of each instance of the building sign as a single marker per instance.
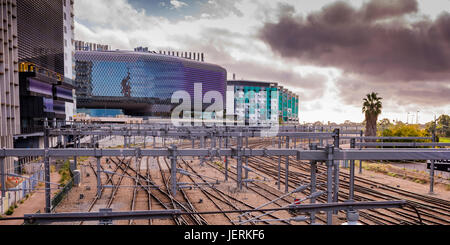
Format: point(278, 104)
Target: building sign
point(63, 93)
point(36, 86)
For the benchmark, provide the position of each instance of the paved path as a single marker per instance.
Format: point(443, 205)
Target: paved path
point(35, 203)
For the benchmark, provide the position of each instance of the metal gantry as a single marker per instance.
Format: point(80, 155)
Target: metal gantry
point(317, 152)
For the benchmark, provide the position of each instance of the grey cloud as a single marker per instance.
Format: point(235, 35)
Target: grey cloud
point(387, 8)
point(216, 43)
point(348, 38)
point(220, 8)
point(351, 90)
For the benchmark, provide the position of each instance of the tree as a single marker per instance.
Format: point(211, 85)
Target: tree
point(372, 109)
point(443, 127)
point(384, 124)
point(318, 123)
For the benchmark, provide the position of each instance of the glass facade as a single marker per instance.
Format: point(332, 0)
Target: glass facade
point(258, 103)
point(101, 112)
point(140, 84)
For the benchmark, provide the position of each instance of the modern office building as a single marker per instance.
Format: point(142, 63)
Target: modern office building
point(261, 103)
point(9, 78)
point(46, 90)
point(87, 46)
point(140, 83)
point(69, 51)
point(40, 29)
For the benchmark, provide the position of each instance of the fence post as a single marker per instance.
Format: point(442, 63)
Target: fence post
point(239, 162)
point(352, 173)
point(202, 145)
point(286, 184)
point(360, 147)
point(313, 183)
point(99, 179)
point(246, 162)
point(321, 139)
point(336, 167)
point(145, 139)
point(226, 157)
point(47, 169)
point(279, 165)
point(3, 175)
point(125, 138)
point(330, 151)
point(432, 167)
point(173, 170)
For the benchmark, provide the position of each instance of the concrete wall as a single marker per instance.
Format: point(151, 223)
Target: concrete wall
point(9, 77)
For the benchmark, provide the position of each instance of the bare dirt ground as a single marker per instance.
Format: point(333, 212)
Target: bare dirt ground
point(441, 191)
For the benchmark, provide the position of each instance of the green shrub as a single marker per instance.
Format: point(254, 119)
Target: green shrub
point(392, 174)
point(10, 211)
point(403, 130)
point(65, 173)
point(419, 181)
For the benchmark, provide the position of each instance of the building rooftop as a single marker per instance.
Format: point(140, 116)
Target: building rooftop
point(252, 83)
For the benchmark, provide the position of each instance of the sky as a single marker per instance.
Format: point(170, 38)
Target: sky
point(331, 53)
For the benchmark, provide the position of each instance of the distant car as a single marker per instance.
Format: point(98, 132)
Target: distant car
point(442, 165)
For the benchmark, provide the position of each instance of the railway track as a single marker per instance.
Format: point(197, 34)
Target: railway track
point(432, 210)
point(103, 189)
point(152, 192)
point(226, 201)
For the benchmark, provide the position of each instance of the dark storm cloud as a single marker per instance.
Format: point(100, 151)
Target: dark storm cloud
point(387, 8)
point(374, 40)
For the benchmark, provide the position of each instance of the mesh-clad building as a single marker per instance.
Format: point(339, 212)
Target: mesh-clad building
point(140, 83)
point(41, 33)
point(45, 90)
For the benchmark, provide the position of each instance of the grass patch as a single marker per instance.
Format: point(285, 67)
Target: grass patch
point(65, 173)
point(10, 211)
point(219, 164)
point(82, 159)
point(384, 169)
point(444, 140)
point(420, 181)
point(392, 174)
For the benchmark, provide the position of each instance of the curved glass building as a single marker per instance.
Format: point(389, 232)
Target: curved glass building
point(140, 83)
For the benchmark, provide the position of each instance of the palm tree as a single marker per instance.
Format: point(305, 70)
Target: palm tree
point(372, 109)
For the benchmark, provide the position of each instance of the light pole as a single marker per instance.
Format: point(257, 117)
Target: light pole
point(417, 119)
